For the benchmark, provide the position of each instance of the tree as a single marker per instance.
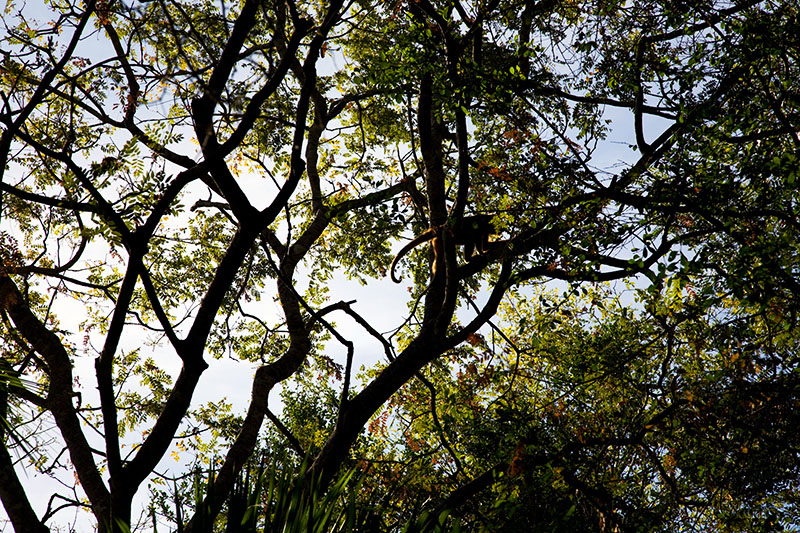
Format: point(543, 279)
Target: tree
point(171, 166)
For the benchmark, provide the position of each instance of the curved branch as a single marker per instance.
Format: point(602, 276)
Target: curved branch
point(437, 423)
point(60, 394)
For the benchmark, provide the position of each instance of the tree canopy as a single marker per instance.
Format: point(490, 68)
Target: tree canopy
point(188, 185)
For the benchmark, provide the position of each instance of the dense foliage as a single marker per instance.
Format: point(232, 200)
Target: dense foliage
point(192, 189)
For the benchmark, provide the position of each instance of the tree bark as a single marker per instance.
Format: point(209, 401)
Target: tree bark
point(14, 499)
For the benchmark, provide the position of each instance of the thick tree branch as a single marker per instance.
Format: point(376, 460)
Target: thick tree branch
point(15, 500)
point(60, 394)
point(104, 369)
point(265, 379)
point(423, 349)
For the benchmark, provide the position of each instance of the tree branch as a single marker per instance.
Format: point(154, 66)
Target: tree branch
point(60, 394)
